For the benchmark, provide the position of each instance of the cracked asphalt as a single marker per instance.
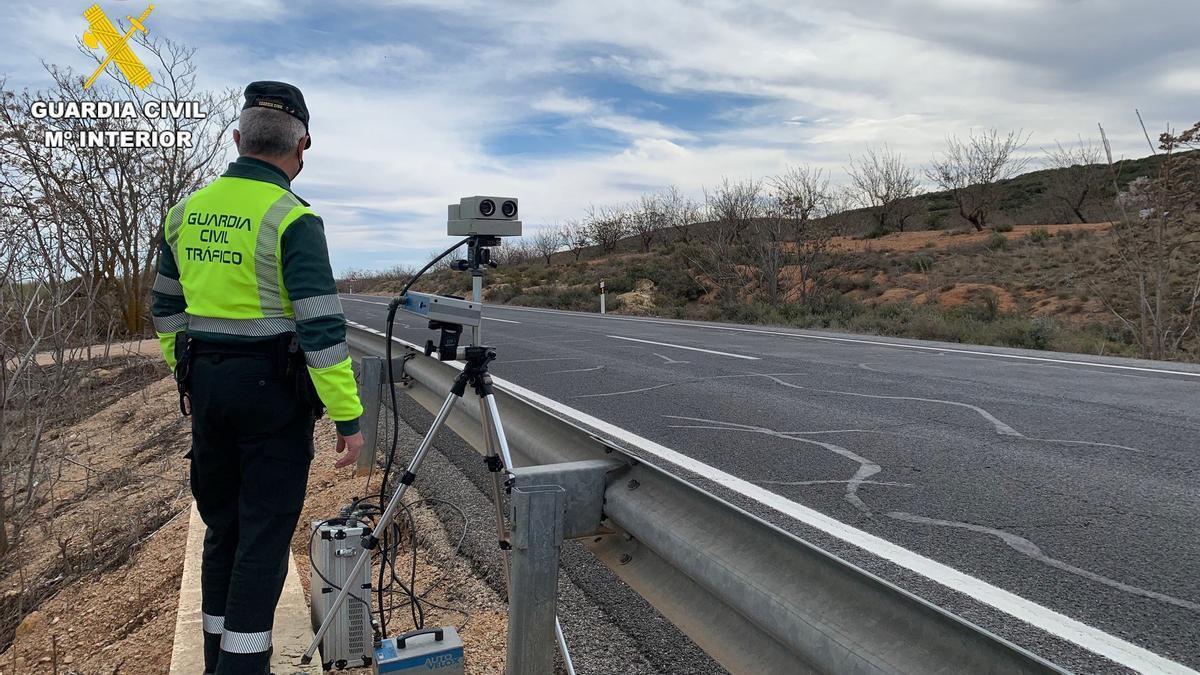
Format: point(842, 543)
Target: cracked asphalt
point(1068, 480)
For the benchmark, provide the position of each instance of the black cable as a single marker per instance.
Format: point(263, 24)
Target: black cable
point(390, 328)
point(388, 544)
point(431, 263)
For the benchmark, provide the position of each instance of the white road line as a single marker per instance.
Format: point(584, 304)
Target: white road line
point(897, 345)
point(369, 302)
point(1039, 616)
point(577, 370)
point(492, 318)
point(690, 349)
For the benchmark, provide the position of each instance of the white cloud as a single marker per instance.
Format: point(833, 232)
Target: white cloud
point(402, 119)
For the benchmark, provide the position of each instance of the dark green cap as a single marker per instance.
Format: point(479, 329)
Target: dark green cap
point(278, 96)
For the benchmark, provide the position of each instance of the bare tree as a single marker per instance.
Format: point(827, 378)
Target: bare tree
point(514, 251)
point(971, 170)
point(575, 236)
point(1079, 176)
point(107, 203)
point(733, 206)
point(78, 234)
point(547, 241)
point(1158, 249)
point(681, 212)
point(647, 219)
point(741, 232)
point(883, 183)
point(44, 312)
point(801, 195)
point(607, 225)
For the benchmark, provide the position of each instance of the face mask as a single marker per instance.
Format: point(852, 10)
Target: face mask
point(299, 169)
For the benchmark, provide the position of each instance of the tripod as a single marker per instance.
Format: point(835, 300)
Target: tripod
point(475, 375)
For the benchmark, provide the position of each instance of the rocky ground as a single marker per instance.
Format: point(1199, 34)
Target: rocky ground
point(93, 585)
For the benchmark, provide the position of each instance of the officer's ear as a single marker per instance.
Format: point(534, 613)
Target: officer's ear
point(301, 146)
point(237, 140)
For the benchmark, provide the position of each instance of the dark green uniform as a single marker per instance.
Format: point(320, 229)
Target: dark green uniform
point(243, 275)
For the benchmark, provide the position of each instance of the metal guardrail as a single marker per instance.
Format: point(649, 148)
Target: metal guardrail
point(753, 596)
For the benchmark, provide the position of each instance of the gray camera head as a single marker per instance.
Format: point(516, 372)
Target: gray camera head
point(487, 216)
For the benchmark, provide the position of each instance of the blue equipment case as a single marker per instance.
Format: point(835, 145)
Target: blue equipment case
point(434, 651)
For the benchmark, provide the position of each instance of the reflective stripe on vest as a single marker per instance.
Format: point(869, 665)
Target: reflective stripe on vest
point(266, 262)
point(317, 306)
point(174, 225)
point(167, 286)
point(247, 327)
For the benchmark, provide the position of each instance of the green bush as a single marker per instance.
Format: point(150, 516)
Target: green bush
point(985, 309)
point(920, 262)
point(1039, 235)
point(997, 242)
point(1003, 227)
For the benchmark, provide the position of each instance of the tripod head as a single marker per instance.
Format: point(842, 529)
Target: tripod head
point(479, 255)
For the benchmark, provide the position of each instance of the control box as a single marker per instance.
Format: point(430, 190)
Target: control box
point(336, 547)
point(436, 651)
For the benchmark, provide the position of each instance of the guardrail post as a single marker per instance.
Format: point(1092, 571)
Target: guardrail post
point(537, 535)
point(370, 388)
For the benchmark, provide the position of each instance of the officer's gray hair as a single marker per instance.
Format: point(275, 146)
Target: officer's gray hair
point(269, 133)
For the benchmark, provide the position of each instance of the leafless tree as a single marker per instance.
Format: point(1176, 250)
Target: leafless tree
point(43, 318)
point(78, 229)
point(733, 207)
point(784, 232)
point(738, 237)
point(547, 241)
point(1158, 248)
point(648, 219)
point(883, 183)
point(607, 225)
point(575, 236)
point(1078, 177)
point(514, 251)
point(681, 212)
point(106, 204)
point(801, 195)
point(971, 170)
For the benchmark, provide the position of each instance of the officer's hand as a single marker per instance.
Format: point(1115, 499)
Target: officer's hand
point(351, 445)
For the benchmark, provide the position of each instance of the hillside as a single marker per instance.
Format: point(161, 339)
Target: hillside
point(1028, 283)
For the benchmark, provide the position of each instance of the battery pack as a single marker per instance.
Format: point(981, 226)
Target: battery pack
point(337, 546)
point(436, 651)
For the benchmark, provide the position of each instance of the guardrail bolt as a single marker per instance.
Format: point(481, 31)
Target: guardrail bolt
point(632, 485)
point(625, 558)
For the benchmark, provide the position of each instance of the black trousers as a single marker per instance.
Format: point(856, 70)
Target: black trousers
point(252, 443)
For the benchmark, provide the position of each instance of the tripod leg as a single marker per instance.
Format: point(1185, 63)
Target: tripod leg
point(497, 489)
point(385, 521)
point(493, 429)
point(493, 414)
point(562, 647)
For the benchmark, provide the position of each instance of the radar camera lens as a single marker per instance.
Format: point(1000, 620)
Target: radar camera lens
point(509, 208)
point(487, 208)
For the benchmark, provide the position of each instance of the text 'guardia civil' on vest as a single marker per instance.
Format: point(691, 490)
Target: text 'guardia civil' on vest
point(218, 220)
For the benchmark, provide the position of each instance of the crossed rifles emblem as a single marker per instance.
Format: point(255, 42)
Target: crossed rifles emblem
point(116, 46)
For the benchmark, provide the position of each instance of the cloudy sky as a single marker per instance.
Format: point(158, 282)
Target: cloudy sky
point(416, 103)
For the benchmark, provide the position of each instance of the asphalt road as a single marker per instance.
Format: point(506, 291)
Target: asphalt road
point(1068, 480)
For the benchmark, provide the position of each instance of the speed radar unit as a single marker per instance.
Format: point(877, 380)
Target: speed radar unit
point(484, 216)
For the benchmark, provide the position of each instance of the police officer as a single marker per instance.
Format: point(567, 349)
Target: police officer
point(249, 319)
